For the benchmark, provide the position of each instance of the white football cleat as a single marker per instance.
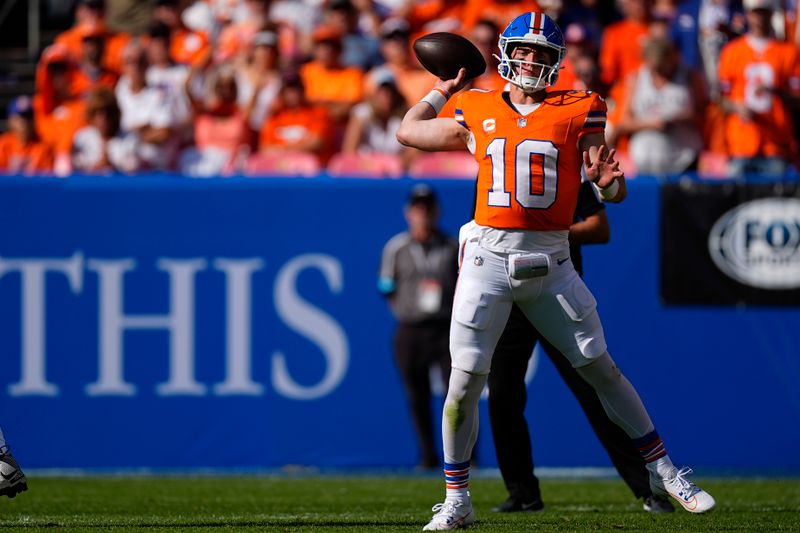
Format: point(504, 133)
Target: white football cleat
point(452, 514)
point(681, 489)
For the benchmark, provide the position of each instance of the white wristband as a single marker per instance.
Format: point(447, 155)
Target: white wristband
point(437, 98)
point(611, 191)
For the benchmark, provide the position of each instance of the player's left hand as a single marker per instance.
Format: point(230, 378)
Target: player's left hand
point(601, 168)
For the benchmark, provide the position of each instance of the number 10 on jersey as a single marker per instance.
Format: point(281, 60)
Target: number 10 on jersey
point(532, 190)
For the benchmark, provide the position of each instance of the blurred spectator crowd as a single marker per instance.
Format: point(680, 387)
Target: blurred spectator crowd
point(221, 87)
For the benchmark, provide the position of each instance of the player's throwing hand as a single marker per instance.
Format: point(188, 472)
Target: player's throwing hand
point(454, 85)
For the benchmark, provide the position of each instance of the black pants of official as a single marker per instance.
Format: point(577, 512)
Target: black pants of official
point(507, 398)
point(417, 348)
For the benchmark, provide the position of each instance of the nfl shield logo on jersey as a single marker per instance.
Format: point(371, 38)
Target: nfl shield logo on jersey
point(521, 123)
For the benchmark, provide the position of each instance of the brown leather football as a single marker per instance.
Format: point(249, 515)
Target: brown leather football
point(443, 53)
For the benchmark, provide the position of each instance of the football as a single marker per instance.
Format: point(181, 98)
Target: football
point(442, 54)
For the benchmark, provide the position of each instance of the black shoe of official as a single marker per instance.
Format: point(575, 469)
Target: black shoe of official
point(517, 505)
point(12, 480)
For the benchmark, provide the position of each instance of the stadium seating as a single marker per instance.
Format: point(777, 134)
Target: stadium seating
point(457, 165)
point(363, 165)
point(204, 163)
point(282, 164)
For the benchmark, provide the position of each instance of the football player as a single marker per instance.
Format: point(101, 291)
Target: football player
point(759, 78)
point(12, 480)
point(529, 144)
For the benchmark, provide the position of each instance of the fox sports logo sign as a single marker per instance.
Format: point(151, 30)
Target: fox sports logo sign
point(758, 243)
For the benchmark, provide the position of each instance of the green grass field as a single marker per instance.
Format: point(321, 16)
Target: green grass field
point(343, 504)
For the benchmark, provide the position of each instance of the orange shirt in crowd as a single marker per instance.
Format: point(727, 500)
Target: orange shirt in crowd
point(753, 77)
point(501, 13)
point(438, 12)
point(621, 50)
point(72, 39)
point(567, 79)
point(114, 44)
point(81, 84)
point(293, 128)
point(30, 158)
point(59, 126)
point(617, 102)
point(413, 83)
point(342, 85)
point(189, 47)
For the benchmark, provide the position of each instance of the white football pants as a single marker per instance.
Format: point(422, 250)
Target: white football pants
point(563, 310)
point(558, 304)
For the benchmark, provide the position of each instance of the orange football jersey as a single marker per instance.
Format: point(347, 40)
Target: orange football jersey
point(753, 77)
point(529, 165)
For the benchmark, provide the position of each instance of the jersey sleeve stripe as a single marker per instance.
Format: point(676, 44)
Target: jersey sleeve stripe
point(594, 122)
point(595, 126)
point(459, 116)
point(596, 113)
